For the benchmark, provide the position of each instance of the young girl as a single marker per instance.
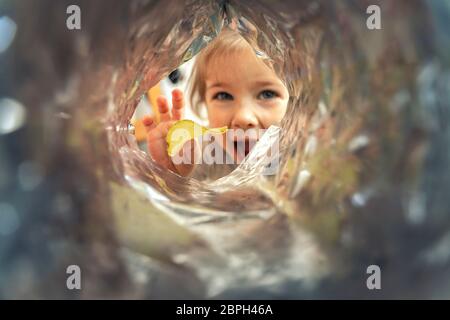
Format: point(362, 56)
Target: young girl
point(239, 91)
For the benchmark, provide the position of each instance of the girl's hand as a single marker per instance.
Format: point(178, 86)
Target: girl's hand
point(156, 133)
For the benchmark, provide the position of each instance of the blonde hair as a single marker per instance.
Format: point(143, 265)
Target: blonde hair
point(226, 43)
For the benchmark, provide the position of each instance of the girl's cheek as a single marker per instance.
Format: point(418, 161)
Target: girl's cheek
point(272, 115)
point(218, 117)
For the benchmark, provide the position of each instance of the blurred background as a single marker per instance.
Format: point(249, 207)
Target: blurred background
point(364, 178)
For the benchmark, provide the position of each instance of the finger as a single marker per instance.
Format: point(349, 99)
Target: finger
point(148, 123)
point(178, 104)
point(163, 108)
point(161, 132)
point(166, 126)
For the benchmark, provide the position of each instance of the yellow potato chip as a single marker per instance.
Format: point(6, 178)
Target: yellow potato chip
point(185, 130)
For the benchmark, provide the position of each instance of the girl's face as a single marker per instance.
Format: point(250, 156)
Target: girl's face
point(243, 93)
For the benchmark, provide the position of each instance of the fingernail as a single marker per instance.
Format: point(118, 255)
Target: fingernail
point(177, 94)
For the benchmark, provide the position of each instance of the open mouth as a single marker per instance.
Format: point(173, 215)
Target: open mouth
point(243, 147)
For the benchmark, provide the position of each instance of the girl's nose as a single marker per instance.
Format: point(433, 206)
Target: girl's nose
point(245, 118)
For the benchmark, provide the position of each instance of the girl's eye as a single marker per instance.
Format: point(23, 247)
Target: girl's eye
point(267, 94)
point(223, 96)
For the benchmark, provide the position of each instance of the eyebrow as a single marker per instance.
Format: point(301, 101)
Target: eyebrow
point(264, 83)
point(261, 83)
point(216, 84)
